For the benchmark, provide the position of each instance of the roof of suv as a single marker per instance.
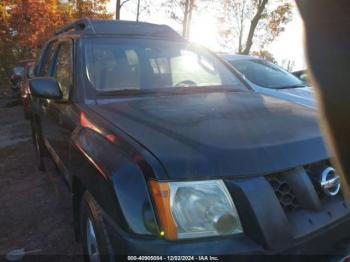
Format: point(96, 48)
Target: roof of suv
point(88, 26)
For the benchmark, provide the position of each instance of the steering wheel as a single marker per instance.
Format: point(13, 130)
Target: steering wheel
point(186, 83)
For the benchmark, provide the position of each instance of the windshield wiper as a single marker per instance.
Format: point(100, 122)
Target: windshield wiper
point(292, 86)
point(167, 90)
point(125, 92)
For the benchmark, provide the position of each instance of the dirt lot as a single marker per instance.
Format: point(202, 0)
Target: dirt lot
point(35, 206)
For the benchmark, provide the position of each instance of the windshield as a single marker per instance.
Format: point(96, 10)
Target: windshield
point(266, 74)
point(145, 64)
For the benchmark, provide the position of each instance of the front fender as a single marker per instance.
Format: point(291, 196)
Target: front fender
point(116, 180)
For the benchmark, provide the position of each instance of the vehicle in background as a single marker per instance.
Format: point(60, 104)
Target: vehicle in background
point(17, 74)
point(302, 75)
point(168, 152)
point(267, 78)
point(24, 89)
point(15, 79)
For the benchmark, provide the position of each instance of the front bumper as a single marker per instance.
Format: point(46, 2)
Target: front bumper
point(319, 243)
point(308, 223)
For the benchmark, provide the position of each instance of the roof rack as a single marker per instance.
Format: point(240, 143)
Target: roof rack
point(122, 28)
point(77, 25)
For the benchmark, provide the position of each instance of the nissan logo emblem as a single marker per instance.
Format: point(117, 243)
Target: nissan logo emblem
point(330, 182)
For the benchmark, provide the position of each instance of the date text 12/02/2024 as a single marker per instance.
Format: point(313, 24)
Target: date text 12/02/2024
point(173, 258)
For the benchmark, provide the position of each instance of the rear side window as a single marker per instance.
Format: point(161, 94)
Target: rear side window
point(49, 57)
point(63, 68)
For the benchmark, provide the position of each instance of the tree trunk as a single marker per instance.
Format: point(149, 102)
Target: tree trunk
point(184, 22)
point(189, 19)
point(186, 26)
point(138, 11)
point(117, 10)
point(253, 26)
point(241, 22)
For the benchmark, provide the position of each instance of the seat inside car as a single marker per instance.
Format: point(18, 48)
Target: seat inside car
point(115, 72)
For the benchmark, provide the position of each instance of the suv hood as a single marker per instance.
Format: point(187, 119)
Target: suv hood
point(304, 94)
point(300, 95)
point(221, 134)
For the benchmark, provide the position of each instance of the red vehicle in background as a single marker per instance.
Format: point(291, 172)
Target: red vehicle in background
point(24, 89)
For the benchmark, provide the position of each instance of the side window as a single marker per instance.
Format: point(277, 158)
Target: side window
point(47, 65)
point(63, 68)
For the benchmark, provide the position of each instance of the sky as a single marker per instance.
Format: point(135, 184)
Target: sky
point(287, 47)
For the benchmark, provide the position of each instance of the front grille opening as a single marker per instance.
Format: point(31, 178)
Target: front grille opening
point(283, 192)
point(287, 196)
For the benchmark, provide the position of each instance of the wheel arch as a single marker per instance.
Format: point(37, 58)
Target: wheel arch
point(114, 179)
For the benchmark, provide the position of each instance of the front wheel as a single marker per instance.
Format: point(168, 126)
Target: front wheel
point(96, 244)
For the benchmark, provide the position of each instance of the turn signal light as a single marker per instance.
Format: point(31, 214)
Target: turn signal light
point(161, 196)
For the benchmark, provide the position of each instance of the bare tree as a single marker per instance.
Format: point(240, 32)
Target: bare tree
point(138, 11)
point(181, 11)
point(288, 64)
point(117, 10)
point(240, 24)
point(260, 8)
point(144, 8)
point(256, 21)
point(186, 24)
point(118, 7)
point(185, 19)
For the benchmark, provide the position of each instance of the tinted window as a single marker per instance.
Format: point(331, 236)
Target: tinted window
point(266, 74)
point(115, 64)
point(63, 68)
point(47, 66)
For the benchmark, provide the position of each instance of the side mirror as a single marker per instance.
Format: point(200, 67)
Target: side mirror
point(30, 71)
point(303, 77)
point(18, 73)
point(45, 87)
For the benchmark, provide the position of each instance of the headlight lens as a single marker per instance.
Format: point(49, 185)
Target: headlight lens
point(197, 209)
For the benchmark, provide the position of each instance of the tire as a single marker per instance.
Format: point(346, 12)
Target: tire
point(27, 115)
point(39, 146)
point(95, 240)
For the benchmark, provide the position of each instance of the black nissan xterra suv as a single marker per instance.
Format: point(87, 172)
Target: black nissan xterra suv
point(167, 152)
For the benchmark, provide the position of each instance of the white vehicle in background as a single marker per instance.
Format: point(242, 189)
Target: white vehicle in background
point(269, 79)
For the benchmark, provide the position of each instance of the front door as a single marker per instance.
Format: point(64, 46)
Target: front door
point(57, 124)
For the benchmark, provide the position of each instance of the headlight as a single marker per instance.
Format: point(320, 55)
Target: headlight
point(195, 209)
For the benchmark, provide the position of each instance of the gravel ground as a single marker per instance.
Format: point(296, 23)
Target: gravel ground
point(35, 206)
